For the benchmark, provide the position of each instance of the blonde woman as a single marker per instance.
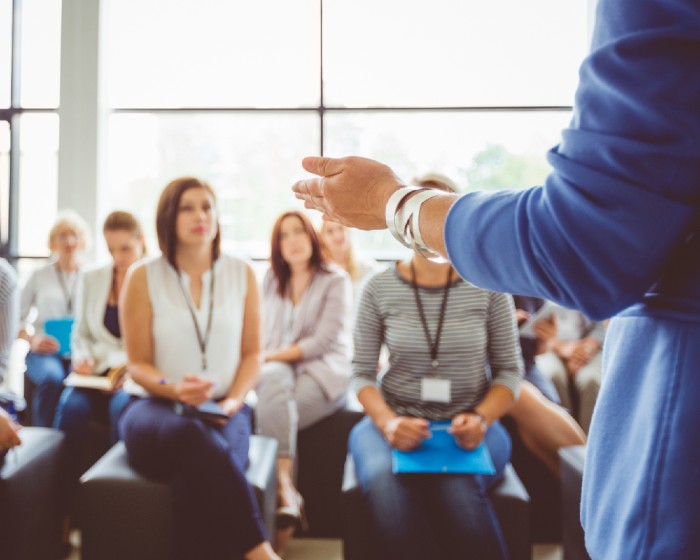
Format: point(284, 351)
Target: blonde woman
point(337, 247)
point(50, 293)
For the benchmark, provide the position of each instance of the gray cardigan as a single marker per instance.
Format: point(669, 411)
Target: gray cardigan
point(321, 328)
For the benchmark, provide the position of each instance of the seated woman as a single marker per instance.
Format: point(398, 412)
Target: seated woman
point(8, 329)
point(190, 320)
point(453, 355)
point(306, 341)
point(571, 357)
point(50, 293)
point(96, 341)
point(525, 307)
point(542, 425)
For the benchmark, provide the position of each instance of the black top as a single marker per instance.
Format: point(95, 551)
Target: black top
point(111, 321)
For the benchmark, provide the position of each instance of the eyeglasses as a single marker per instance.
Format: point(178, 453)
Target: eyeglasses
point(67, 237)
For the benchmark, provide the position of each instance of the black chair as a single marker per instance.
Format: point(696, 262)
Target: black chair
point(125, 515)
point(543, 487)
point(30, 526)
point(509, 498)
point(572, 463)
point(321, 451)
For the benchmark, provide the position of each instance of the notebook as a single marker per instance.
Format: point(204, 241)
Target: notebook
point(106, 382)
point(60, 329)
point(441, 454)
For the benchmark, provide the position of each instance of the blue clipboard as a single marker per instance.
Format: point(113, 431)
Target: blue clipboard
point(60, 329)
point(441, 454)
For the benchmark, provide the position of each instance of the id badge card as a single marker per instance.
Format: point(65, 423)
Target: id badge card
point(435, 389)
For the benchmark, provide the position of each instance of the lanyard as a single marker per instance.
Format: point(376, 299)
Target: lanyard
point(67, 294)
point(203, 340)
point(434, 346)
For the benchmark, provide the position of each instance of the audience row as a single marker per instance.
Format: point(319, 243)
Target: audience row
point(193, 327)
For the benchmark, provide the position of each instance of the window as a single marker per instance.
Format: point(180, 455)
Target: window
point(239, 92)
point(29, 91)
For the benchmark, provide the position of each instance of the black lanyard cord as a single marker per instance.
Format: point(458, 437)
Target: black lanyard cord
point(68, 295)
point(434, 346)
point(202, 340)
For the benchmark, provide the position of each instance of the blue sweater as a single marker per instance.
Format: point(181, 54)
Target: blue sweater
point(617, 221)
point(615, 227)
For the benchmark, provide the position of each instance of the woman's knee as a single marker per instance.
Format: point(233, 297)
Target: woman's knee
point(74, 403)
point(45, 369)
point(371, 455)
point(275, 378)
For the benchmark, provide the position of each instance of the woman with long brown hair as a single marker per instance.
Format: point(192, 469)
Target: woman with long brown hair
point(191, 326)
point(306, 342)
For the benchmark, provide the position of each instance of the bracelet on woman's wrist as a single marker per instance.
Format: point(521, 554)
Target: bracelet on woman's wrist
point(482, 418)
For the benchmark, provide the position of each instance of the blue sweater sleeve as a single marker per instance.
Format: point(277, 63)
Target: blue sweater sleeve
point(625, 186)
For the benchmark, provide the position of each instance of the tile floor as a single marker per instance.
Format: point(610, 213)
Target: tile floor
point(332, 549)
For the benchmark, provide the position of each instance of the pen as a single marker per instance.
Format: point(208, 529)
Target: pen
point(440, 427)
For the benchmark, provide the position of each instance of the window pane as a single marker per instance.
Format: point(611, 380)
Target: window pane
point(250, 159)
point(454, 53)
point(213, 53)
point(5, 51)
point(38, 181)
point(41, 53)
point(4, 179)
point(479, 150)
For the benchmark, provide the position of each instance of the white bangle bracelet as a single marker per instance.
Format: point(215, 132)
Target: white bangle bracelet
point(411, 214)
point(421, 247)
point(392, 210)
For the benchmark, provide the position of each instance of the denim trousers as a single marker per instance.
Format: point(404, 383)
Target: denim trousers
point(215, 512)
point(418, 516)
point(47, 372)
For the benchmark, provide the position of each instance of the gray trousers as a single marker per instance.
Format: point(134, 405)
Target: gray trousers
point(289, 400)
point(586, 383)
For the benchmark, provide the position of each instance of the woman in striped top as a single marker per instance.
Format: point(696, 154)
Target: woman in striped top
point(453, 355)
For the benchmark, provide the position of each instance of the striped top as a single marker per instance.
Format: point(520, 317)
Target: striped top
point(9, 312)
point(478, 347)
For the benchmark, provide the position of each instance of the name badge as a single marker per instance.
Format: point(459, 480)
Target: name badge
point(434, 389)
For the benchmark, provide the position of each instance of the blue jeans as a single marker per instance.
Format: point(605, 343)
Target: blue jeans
point(215, 512)
point(47, 372)
point(75, 409)
point(419, 516)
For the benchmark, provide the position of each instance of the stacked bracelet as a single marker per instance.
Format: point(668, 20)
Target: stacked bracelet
point(403, 219)
point(392, 211)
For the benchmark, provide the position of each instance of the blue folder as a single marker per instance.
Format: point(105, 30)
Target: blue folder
point(441, 454)
point(60, 329)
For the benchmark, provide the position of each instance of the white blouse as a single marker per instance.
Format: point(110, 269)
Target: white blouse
point(50, 295)
point(176, 346)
